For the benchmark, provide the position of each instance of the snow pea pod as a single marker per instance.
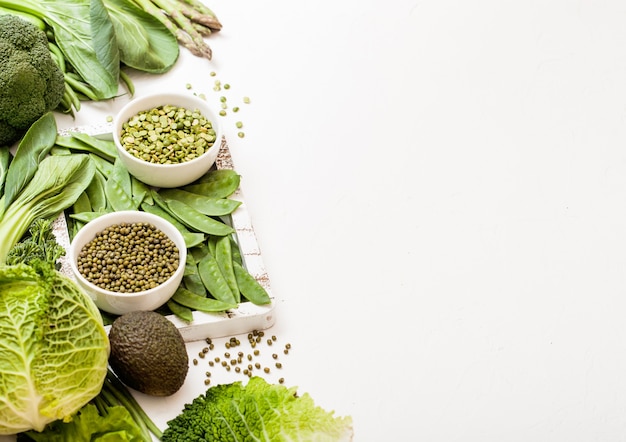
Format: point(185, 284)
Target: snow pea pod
point(203, 204)
point(224, 258)
point(191, 277)
point(196, 220)
point(85, 217)
point(214, 281)
point(102, 165)
point(117, 196)
point(216, 184)
point(198, 252)
point(82, 203)
point(139, 191)
point(96, 193)
point(179, 310)
point(201, 303)
point(82, 142)
point(250, 288)
point(192, 239)
point(193, 283)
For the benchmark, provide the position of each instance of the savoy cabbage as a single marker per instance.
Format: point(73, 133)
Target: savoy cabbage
point(258, 411)
point(53, 347)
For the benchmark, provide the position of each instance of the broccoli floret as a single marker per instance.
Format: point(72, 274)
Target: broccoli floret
point(31, 83)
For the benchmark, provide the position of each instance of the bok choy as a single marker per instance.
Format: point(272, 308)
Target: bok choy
point(38, 186)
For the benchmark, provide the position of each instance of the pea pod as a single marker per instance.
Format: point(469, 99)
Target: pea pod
point(198, 221)
point(82, 142)
point(96, 193)
point(120, 174)
point(188, 299)
point(85, 217)
point(203, 204)
point(192, 239)
point(191, 277)
point(117, 196)
point(184, 313)
point(250, 287)
point(82, 203)
point(214, 281)
point(102, 165)
point(198, 252)
point(216, 184)
point(234, 247)
point(139, 191)
point(224, 258)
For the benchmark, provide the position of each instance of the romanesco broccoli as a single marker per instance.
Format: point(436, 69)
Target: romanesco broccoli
point(31, 83)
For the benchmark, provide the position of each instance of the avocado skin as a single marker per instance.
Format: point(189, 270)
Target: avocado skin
point(148, 353)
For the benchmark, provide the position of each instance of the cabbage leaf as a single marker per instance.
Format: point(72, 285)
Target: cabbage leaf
point(53, 347)
point(257, 411)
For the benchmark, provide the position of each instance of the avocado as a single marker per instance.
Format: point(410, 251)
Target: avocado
point(148, 353)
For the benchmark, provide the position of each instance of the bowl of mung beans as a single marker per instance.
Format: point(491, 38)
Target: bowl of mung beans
point(167, 139)
point(128, 260)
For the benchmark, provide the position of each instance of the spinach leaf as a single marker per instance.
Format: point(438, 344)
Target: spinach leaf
point(144, 42)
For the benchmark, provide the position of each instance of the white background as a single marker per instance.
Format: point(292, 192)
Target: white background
point(438, 189)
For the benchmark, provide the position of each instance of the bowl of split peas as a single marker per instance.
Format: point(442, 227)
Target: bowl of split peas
point(167, 139)
point(128, 260)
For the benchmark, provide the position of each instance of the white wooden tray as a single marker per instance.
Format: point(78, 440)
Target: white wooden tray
point(247, 316)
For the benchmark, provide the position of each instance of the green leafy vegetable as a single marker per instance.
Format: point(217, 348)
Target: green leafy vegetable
point(112, 416)
point(31, 150)
point(54, 348)
point(258, 411)
point(58, 182)
point(85, 36)
point(144, 42)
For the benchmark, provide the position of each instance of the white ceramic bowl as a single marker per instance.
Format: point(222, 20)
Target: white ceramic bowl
point(167, 175)
point(120, 303)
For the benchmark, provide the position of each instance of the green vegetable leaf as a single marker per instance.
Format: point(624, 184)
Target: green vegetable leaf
point(116, 424)
point(258, 411)
point(144, 42)
point(31, 150)
point(54, 348)
point(84, 33)
point(56, 185)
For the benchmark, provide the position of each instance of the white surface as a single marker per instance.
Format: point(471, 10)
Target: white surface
point(439, 192)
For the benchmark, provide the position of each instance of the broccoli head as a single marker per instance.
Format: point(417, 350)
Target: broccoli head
point(31, 83)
